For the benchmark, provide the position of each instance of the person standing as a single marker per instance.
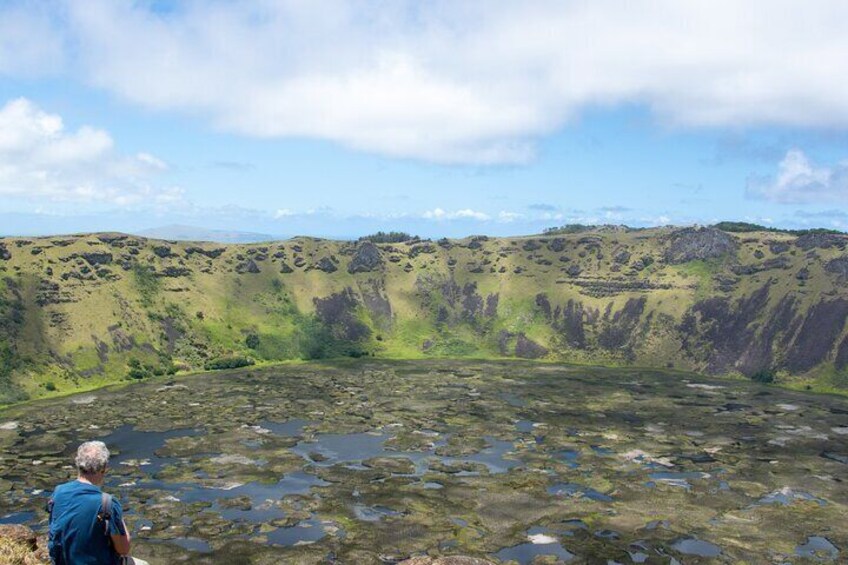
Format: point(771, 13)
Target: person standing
point(87, 525)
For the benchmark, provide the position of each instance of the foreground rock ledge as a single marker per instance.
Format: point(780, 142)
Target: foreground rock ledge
point(19, 545)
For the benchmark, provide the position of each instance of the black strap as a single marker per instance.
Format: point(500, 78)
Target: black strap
point(105, 514)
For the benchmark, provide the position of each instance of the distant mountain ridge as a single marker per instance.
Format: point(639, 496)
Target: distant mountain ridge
point(85, 310)
point(177, 232)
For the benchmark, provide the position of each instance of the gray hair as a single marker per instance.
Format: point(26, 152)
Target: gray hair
point(92, 457)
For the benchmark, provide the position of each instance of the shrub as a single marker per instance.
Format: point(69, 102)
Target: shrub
point(228, 362)
point(389, 237)
point(251, 341)
point(765, 376)
point(51, 386)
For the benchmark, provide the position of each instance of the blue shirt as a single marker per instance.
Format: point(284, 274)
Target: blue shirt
point(76, 537)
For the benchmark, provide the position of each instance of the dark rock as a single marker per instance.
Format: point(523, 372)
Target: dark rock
point(621, 257)
point(759, 254)
point(299, 262)
point(173, 272)
point(162, 251)
point(93, 258)
point(573, 270)
point(531, 245)
point(529, 349)
point(618, 331)
point(285, 268)
point(248, 266)
point(557, 245)
point(778, 247)
point(422, 248)
point(326, 264)
point(211, 253)
point(822, 326)
point(692, 244)
point(111, 238)
point(36, 250)
point(821, 241)
point(366, 259)
point(803, 274)
point(769, 264)
point(838, 266)
point(338, 313)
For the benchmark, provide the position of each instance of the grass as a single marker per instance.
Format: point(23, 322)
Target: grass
point(216, 310)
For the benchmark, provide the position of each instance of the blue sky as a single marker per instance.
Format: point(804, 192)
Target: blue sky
point(342, 118)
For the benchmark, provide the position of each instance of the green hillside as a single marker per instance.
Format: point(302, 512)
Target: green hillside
point(82, 311)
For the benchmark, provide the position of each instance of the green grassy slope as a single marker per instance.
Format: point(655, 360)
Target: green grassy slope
point(81, 311)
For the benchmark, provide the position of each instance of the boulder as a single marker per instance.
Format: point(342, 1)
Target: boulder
point(97, 258)
point(693, 244)
point(162, 251)
point(366, 259)
point(326, 265)
point(248, 266)
point(821, 241)
point(4, 252)
point(838, 266)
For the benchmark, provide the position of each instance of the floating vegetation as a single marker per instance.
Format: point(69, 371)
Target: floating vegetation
point(365, 461)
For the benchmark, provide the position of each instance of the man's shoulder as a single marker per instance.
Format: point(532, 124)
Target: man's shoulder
point(75, 488)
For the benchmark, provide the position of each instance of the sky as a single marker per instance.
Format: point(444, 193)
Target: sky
point(340, 118)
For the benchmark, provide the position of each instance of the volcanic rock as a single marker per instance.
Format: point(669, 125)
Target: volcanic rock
point(366, 259)
point(692, 244)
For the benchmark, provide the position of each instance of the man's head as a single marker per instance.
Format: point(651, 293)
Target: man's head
point(92, 458)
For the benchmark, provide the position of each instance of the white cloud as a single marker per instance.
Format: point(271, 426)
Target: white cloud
point(464, 214)
point(507, 217)
point(40, 159)
point(283, 213)
point(800, 181)
point(454, 82)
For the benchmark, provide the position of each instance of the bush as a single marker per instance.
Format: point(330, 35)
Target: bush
point(389, 237)
point(765, 376)
point(251, 341)
point(228, 362)
point(51, 386)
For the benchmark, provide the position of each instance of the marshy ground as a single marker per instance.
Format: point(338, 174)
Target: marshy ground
point(371, 462)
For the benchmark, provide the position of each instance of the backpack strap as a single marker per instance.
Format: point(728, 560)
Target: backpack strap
point(105, 513)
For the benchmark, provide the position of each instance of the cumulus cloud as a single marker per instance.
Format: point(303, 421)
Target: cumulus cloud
point(463, 214)
point(40, 159)
point(455, 82)
point(800, 181)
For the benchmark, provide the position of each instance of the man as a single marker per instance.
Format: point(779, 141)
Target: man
point(83, 530)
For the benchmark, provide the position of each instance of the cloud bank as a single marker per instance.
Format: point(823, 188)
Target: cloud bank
point(41, 160)
point(452, 82)
point(799, 181)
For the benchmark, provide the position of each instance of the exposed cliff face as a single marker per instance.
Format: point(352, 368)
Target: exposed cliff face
point(84, 310)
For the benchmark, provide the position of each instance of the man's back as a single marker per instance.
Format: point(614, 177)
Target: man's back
point(76, 535)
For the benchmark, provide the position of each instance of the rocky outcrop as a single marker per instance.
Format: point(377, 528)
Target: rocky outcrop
point(326, 264)
point(210, 253)
point(248, 266)
point(95, 258)
point(19, 545)
point(366, 259)
point(526, 348)
point(4, 252)
point(693, 244)
point(838, 266)
point(821, 241)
